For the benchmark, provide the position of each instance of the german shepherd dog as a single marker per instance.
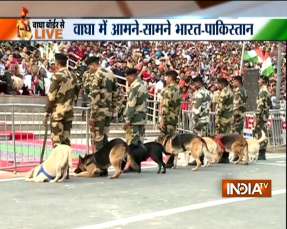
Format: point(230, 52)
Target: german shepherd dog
point(141, 153)
point(236, 146)
point(189, 144)
point(113, 153)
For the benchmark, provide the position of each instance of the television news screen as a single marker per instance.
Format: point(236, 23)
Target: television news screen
point(143, 114)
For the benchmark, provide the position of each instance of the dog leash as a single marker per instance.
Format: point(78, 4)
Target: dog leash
point(45, 140)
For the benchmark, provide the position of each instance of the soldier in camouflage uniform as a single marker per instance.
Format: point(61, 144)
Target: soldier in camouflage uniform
point(262, 114)
point(201, 102)
point(170, 105)
point(136, 107)
point(100, 84)
point(60, 102)
point(224, 108)
point(239, 105)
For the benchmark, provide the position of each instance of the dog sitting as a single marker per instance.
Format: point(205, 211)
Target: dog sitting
point(235, 145)
point(113, 153)
point(141, 153)
point(254, 146)
point(55, 168)
point(189, 144)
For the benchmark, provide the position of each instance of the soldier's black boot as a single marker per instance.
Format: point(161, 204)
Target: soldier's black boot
point(170, 162)
point(224, 159)
point(104, 173)
point(262, 154)
point(105, 140)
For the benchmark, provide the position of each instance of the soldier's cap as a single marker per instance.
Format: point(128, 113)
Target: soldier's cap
point(61, 57)
point(93, 60)
point(222, 81)
point(173, 74)
point(131, 71)
point(264, 78)
point(197, 80)
point(238, 78)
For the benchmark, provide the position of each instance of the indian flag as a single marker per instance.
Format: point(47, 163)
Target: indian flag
point(267, 68)
point(255, 56)
point(251, 56)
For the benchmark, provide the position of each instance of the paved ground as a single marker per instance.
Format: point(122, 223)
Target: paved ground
point(179, 199)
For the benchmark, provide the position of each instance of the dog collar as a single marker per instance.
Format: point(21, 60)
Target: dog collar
point(42, 170)
point(217, 139)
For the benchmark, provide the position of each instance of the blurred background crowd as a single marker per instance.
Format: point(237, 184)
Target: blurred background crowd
point(26, 68)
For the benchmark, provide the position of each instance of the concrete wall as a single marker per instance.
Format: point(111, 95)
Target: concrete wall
point(22, 99)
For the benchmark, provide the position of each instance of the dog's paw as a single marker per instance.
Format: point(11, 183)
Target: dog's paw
point(195, 169)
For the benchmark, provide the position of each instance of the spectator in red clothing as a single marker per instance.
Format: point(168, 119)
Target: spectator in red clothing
point(185, 97)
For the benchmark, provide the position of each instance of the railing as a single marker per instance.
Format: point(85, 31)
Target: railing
point(22, 134)
point(22, 130)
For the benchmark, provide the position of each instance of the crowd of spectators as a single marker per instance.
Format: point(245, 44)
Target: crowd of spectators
point(26, 67)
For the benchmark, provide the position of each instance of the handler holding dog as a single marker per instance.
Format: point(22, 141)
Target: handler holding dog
point(170, 106)
point(60, 102)
point(262, 113)
point(135, 112)
point(103, 91)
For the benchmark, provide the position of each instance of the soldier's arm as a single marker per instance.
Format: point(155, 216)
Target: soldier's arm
point(261, 104)
point(236, 100)
point(166, 98)
point(131, 104)
point(53, 91)
point(95, 93)
point(220, 105)
point(117, 99)
point(86, 83)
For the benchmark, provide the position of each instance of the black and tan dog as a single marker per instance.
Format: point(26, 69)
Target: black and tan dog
point(113, 153)
point(142, 152)
point(189, 144)
point(234, 144)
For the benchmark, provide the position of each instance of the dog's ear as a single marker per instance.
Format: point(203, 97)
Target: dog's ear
point(81, 158)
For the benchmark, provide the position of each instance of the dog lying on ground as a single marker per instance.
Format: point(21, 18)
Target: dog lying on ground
point(113, 153)
point(141, 153)
point(236, 146)
point(55, 168)
point(254, 146)
point(189, 144)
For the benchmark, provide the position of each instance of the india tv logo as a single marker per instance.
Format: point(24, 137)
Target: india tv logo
point(246, 188)
point(23, 26)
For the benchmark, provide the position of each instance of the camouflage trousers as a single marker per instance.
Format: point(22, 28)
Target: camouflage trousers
point(60, 132)
point(200, 129)
point(99, 134)
point(223, 126)
point(135, 134)
point(167, 130)
point(261, 125)
point(238, 123)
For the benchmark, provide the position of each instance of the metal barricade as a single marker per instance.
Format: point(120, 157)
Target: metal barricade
point(22, 133)
point(276, 127)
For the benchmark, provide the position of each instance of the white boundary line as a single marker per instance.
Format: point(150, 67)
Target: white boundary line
point(12, 179)
point(274, 164)
point(275, 155)
point(172, 211)
point(71, 173)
